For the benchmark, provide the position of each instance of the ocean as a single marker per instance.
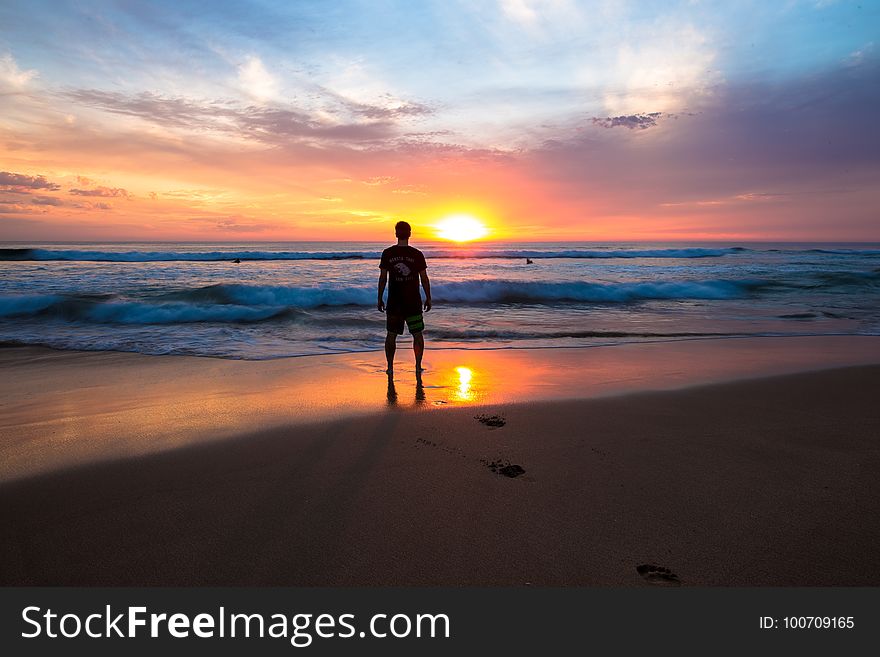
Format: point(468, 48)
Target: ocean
point(305, 298)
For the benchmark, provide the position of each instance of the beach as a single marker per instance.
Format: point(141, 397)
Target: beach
point(736, 462)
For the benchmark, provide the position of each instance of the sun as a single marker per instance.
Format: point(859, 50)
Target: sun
point(461, 228)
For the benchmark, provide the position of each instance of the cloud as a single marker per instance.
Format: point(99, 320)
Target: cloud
point(256, 81)
point(357, 92)
point(857, 57)
point(107, 192)
point(410, 189)
point(88, 205)
point(378, 180)
point(232, 223)
point(194, 194)
point(533, 15)
point(519, 11)
point(13, 77)
point(18, 182)
point(741, 144)
point(7, 207)
point(277, 125)
point(27, 203)
point(661, 71)
point(266, 124)
point(392, 109)
point(46, 200)
point(167, 111)
point(633, 121)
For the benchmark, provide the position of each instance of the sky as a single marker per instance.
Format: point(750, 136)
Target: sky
point(545, 119)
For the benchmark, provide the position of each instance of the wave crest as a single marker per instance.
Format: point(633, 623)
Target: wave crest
point(254, 303)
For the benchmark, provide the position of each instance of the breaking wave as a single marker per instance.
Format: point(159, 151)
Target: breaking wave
point(254, 303)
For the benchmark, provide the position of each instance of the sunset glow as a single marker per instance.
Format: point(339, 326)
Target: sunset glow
point(567, 120)
point(461, 228)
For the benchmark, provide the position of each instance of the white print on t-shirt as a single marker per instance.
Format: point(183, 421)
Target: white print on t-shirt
point(402, 269)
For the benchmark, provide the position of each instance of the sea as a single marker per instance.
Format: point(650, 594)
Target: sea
point(276, 300)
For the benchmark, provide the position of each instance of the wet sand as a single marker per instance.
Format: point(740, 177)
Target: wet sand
point(63, 408)
point(688, 463)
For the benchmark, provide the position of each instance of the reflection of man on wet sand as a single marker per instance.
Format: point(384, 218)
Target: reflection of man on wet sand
point(405, 267)
point(392, 392)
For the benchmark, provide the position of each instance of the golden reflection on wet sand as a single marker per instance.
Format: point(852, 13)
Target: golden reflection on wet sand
point(62, 408)
point(463, 391)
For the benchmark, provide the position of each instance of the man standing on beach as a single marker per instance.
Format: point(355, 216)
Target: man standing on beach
point(405, 266)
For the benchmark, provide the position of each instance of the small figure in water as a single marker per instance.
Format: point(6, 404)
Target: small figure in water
point(237, 261)
point(529, 262)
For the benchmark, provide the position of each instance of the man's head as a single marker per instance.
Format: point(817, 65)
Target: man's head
point(403, 230)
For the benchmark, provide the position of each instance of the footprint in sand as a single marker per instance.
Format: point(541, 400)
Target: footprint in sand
point(503, 467)
point(511, 471)
point(498, 466)
point(493, 421)
point(658, 575)
point(450, 450)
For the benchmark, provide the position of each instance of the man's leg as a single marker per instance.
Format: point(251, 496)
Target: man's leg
point(418, 350)
point(390, 347)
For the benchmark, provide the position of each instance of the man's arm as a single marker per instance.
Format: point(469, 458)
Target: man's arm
point(383, 280)
point(426, 284)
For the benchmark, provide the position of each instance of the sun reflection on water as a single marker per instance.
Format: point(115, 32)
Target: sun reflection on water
point(464, 391)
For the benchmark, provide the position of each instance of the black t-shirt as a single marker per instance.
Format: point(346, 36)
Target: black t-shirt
point(403, 264)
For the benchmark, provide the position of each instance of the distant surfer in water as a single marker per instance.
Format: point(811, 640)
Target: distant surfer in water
point(405, 266)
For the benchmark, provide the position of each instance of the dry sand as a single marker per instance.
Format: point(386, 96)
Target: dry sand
point(764, 481)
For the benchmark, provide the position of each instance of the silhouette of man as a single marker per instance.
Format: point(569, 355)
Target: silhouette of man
point(402, 268)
